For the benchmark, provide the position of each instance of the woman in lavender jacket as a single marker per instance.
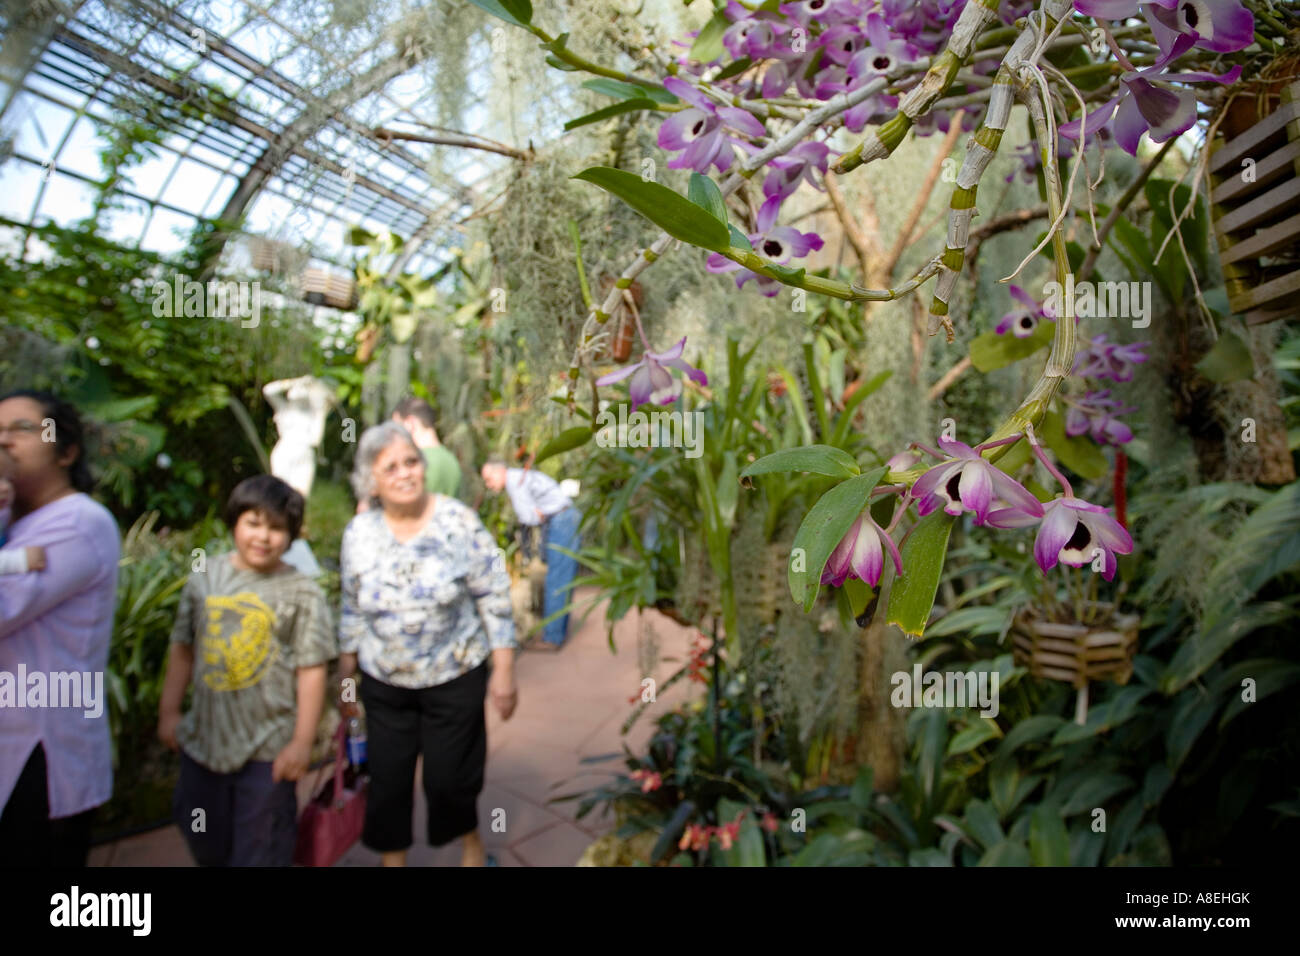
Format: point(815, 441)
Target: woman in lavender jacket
point(55, 627)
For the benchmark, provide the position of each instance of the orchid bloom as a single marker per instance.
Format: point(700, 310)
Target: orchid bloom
point(1102, 359)
point(1147, 104)
point(1095, 414)
point(699, 130)
point(796, 166)
point(651, 380)
point(752, 35)
point(1223, 26)
point(970, 482)
point(1023, 322)
point(778, 243)
point(1073, 530)
point(860, 554)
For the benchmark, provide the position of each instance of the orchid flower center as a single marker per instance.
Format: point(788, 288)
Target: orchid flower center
point(1080, 540)
point(953, 487)
point(772, 248)
point(695, 130)
point(881, 63)
point(1191, 15)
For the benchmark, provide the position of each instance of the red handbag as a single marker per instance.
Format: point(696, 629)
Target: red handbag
point(333, 820)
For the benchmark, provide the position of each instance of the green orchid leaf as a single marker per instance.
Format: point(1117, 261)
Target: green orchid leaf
point(516, 12)
point(991, 351)
point(819, 459)
point(708, 45)
point(912, 597)
point(1049, 842)
point(704, 192)
point(1006, 853)
point(629, 91)
point(616, 109)
point(566, 440)
point(822, 529)
point(674, 214)
point(1228, 361)
point(739, 239)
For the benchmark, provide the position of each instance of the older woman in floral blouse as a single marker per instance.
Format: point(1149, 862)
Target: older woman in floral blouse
point(426, 604)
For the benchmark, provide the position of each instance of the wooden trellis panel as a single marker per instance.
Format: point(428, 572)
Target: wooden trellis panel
point(1255, 204)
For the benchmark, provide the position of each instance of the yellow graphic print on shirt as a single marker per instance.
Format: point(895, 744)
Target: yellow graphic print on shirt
point(240, 644)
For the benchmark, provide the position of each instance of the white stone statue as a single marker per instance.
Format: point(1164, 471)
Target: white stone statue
point(301, 405)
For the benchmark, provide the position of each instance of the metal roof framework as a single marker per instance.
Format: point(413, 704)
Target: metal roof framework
point(264, 123)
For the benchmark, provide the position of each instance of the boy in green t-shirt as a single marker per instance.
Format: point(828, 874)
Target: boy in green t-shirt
point(253, 636)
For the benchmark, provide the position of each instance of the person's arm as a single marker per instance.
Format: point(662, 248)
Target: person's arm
point(180, 670)
point(489, 586)
point(74, 563)
point(22, 560)
point(291, 762)
point(314, 646)
point(352, 623)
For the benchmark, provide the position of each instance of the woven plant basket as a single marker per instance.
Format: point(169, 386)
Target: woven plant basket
point(1076, 653)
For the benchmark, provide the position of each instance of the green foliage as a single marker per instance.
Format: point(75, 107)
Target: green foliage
point(681, 218)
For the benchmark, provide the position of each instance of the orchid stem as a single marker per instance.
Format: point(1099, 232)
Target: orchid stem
point(1038, 452)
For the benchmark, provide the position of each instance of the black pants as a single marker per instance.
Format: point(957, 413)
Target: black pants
point(236, 819)
point(28, 837)
point(446, 725)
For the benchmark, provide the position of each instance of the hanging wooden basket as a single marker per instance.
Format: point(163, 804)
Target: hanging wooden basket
point(1255, 203)
point(1076, 653)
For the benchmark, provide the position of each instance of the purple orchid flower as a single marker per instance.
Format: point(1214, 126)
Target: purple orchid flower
point(841, 42)
point(969, 482)
point(903, 461)
point(1223, 26)
point(1147, 106)
point(808, 13)
point(752, 35)
point(861, 554)
point(884, 53)
point(797, 165)
point(1102, 359)
point(651, 380)
point(1072, 529)
point(1023, 322)
point(778, 243)
point(699, 130)
point(1095, 414)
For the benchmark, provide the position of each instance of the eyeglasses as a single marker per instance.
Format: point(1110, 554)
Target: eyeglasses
point(21, 428)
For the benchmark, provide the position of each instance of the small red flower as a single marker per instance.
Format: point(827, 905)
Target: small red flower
point(649, 780)
point(770, 823)
point(696, 837)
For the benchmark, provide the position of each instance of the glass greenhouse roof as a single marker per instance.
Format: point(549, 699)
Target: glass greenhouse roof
point(295, 116)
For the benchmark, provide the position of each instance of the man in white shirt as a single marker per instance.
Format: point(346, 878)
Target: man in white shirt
point(538, 501)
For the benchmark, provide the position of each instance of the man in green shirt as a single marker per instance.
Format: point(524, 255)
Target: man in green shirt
point(441, 469)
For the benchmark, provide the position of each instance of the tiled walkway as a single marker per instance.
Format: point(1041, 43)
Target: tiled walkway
point(571, 706)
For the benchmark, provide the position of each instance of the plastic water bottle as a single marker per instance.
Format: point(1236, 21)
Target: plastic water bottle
point(356, 742)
